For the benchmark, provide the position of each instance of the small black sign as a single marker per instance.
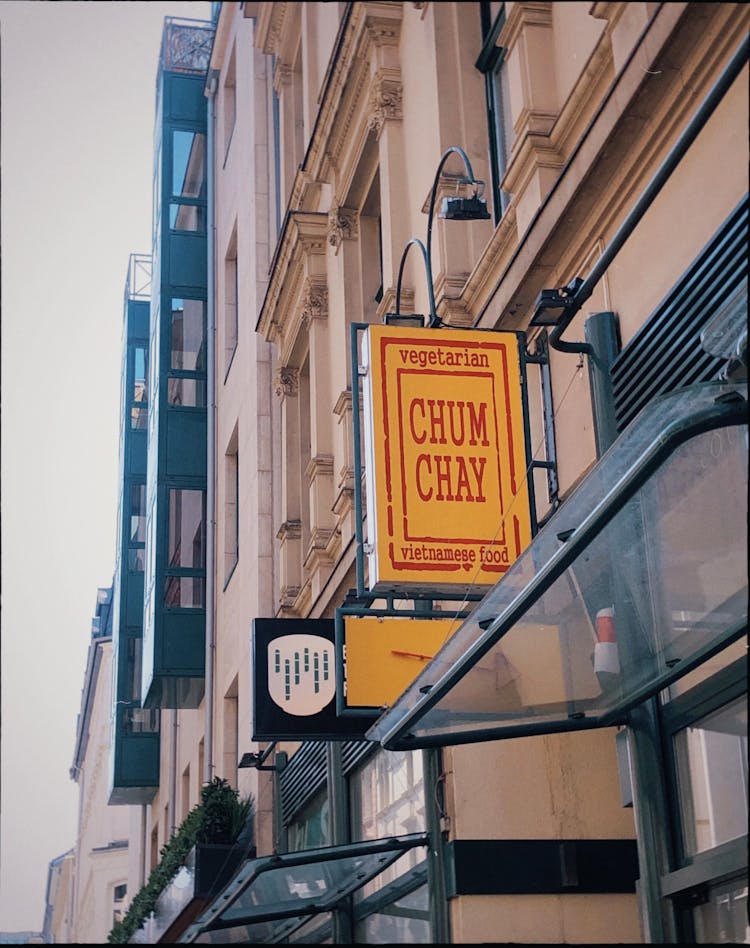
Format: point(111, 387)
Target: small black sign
point(294, 677)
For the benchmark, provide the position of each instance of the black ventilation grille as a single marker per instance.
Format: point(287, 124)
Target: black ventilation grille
point(666, 352)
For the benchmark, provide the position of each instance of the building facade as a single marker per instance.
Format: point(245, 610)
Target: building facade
point(94, 885)
point(570, 764)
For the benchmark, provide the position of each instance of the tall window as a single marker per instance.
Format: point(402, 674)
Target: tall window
point(139, 392)
point(185, 581)
point(491, 63)
point(231, 508)
point(187, 371)
point(231, 302)
point(230, 102)
point(137, 535)
point(187, 209)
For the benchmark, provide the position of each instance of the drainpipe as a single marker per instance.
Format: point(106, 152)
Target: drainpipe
point(211, 87)
point(173, 777)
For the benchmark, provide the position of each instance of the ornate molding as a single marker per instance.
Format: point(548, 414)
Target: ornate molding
point(314, 299)
point(282, 76)
point(343, 224)
point(385, 102)
point(286, 381)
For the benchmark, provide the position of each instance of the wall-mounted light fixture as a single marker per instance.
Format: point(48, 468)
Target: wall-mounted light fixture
point(453, 208)
point(552, 305)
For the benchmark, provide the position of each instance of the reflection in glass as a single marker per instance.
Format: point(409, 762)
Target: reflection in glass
point(723, 918)
point(140, 374)
point(187, 217)
point(188, 164)
point(404, 922)
point(184, 592)
point(387, 799)
point(137, 559)
point(310, 826)
point(189, 393)
point(187, 532)
point(138, 418)
point(188, 335)
point(138, 513)
point(712, 778)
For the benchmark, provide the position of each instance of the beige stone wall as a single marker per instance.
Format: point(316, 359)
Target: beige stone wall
point(101, 854)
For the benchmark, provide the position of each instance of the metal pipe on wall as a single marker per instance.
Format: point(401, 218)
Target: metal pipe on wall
point(211, 87)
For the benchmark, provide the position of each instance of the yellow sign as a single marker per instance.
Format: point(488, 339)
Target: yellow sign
point(383, 656)
point(445, 454)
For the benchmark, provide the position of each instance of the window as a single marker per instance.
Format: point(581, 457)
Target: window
point(137, 536)
point(187, 206)
point(491, 63)
point(230, 102)
point(186, 551)
point(187, 533)
point(187, 375)
point(231, 508)
point(310, 827)
point(119, 893)
point(705, 733)
point(231, 302)
point(139, 393)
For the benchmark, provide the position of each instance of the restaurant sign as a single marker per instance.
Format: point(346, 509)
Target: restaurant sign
point(445, 457)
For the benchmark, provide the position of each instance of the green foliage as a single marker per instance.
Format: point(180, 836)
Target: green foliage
point(220, 817)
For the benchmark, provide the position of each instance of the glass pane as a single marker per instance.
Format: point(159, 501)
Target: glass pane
point(387, 799)
point(188, 335)
point(189, 393)
point(140, 374)
point(636, 596)
point(138, 418)
point(723, 918)
point(405, 922)
point(712, 778)
point(188, 217)
point(187, 532)
point(188, 164)
point(138, 513)
point(185, 592)
point(140, 721)
point(133, 668)
point(137, 559)
point(310, 827)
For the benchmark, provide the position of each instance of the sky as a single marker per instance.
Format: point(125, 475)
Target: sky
point(76, 120)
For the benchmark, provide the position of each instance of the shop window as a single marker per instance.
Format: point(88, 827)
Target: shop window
point(491, 63)
point(310, 826)
point(712, 769)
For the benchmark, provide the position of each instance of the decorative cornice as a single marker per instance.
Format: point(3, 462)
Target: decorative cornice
point(343, 404)
point(269, 26)
point(388, 302)
point(343, 224)
point(286, 381)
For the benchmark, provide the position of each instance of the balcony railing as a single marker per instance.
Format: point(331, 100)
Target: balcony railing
point(186, 45)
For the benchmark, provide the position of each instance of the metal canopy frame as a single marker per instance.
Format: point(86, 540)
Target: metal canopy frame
point(719, 405)
point(374, 855)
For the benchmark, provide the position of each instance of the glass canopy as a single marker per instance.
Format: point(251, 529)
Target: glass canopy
point(638, 577)
point(286, 889)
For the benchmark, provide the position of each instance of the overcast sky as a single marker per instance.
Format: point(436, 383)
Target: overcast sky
point(77, 99)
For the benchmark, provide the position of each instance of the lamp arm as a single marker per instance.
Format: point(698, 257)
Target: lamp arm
point(430, 291)
point(454, 149)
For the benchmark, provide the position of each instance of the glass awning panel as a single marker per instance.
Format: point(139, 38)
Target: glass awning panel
point(293, 886)
point(638, 577)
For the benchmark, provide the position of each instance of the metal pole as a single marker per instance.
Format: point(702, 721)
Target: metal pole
point(438, 902)
point(650, 804)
